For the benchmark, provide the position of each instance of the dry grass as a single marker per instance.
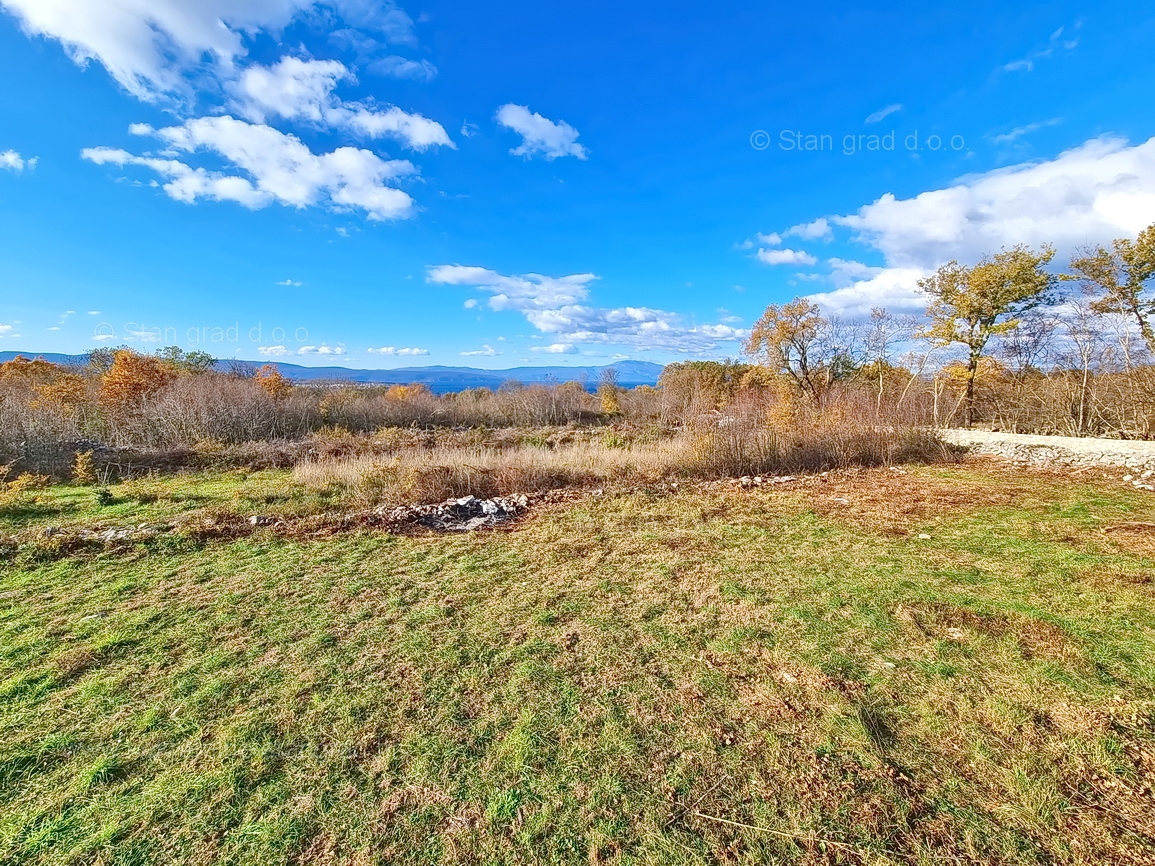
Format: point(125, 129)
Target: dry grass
point(444, 471)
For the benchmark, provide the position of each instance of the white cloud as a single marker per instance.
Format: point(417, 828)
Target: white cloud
point(517, 293)
point(292, 88)
point(416, 131)
point(94, 312)
point(818, 230)
point(378, 16)
point(145, 335)
point(470, 303)
point(552, 305)
point(1057, 43)
point(468, 130)
point(842, 270)
point(1101, 190)
point(322, 349)
point(486, 351)
point(1098, 191)
point(1019, 131)
point(5, 330)
point(556, 349)
point(274, 351)
point(149, 46)
point(895, 289)
point(11, 161)
point(392, 350)
point(785, 257)
point(293, 283)
point(302, 90)
point(771, 240)
point(279, 168)
point(539, 134)
point(883, 113)
point(401, 67)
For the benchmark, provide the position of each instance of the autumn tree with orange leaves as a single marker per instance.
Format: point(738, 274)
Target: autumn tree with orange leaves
point(273, 383)
point(133, 377)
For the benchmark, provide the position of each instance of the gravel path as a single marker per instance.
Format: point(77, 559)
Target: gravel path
point(1137, 457)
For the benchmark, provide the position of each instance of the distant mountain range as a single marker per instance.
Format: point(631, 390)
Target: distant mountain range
point(440, 380)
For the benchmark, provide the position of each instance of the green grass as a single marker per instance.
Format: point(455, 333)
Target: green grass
point(161, 499)
point(710, 676)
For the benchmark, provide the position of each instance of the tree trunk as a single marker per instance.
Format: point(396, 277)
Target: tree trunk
point(972, 373)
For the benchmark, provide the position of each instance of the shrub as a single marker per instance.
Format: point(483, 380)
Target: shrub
point(14, 494)
point(131, 378)
point(84, 468)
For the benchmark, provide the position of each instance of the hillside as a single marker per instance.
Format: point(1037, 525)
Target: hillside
point(440, 380)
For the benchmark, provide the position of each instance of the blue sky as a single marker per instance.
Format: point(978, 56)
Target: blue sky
point(382, 185)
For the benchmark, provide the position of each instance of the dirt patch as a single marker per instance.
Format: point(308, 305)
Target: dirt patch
point(1114, 577)
point(75, 663)
point(1036, 638)
point(893, 501)
point(1135, 537)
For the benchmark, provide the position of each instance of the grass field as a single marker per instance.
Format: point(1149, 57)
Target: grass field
point(951, 664)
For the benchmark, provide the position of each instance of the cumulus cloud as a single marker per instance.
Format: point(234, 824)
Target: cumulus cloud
point(183, 52)
point(11, 161)
point(785, 257)
point(842, 270)
point(553, 306)
point(293, 283)
point(762, 240)
point(1100, 190)
point(302, 90)
point(486, 351)
point(322, 349)
point(556, 349)
point(540, 135)
point(275, 167)
point(274, 351)
point(883, 113)
point(519, 292)
point(394, 351)
point(149, 46)
point(895, 289)
point(818, 230)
